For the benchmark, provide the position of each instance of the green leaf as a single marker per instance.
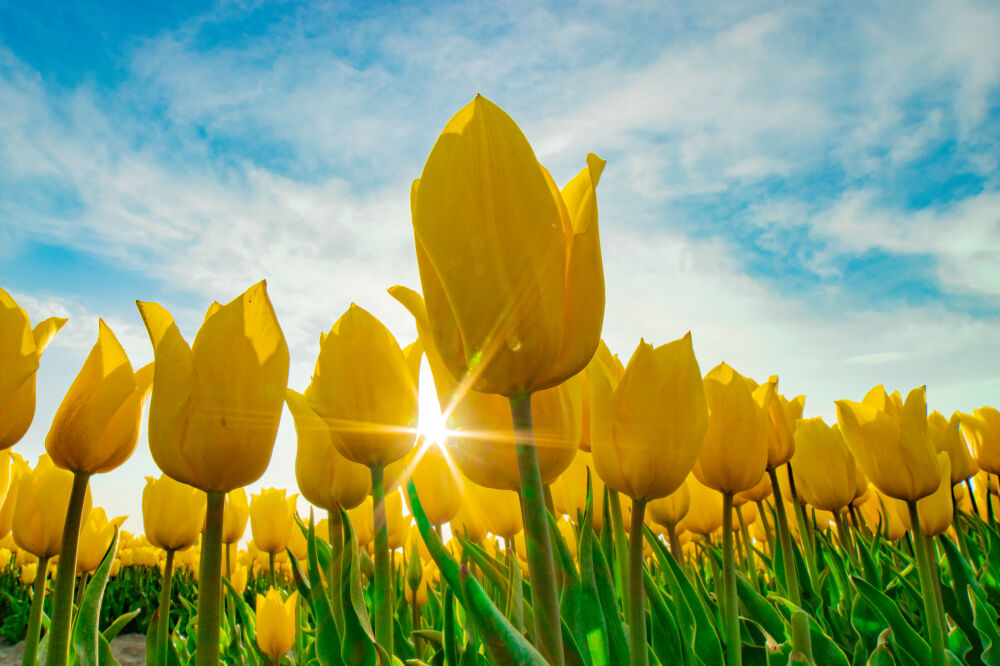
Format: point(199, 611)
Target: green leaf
point(328, 639)
point(450, 643)
point(985, 620)
point(359, 641)
point(905, 636)
point(115, 627)
point(595, 567)
point(665, 635)
point(881, 657)
point(504, 644)
point(761, 611)
point(85, 630)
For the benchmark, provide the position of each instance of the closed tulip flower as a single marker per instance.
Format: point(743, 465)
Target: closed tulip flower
point(235, 516)
point(325, 477)
point(276, 623)
point(775, 426)
point(946, 435)
point(361, 520)
point(239, 579)
point(889, 440)
point(28, 572)
point(18, 468)
point(437, 484)
point(823, 467)
point(95, 537)
point(173, 513)
point(97, 425)
point(982, 428)
point(468, 522)
point(733, 456)
point(216, 404)
point(510, 266)
point(500, 510)
point(482, 441)
point(704, 514)
point(659, 420)
point(936, 511)
point(363, 388)
point(272, 519)
point(40, 508)
point(569, 491)
point(21, 347)
point(670, 510)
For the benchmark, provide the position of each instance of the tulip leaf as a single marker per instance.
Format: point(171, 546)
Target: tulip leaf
point(503, 643)
point(905, 636)
point(961, 607)
point(985, 619)
point(490, 568)
point(665, 634)
point(450, 645)
point(86, 643)
point(761, 611)
point(881, 656)
point(582, 603)
point(120, 622)
point(595, 567)
point(563, 557)
point(448, 567)
point(328, 640)
point(695, 618)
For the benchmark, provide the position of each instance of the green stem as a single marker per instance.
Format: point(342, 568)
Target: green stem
point(730, 609)
point(541, 567)
point(382, 599)
point(636, 603)
point(972, 496)
point(229, 563)
point(62, 593)
point(163, 620)
point(787, 556)
point(621, 554)
point(928, 579)
point(805, 533)
point(30, 655)
point(801, 639)
point(768, 534)
point(335, 526)
point(274, 579)
point(210, 582)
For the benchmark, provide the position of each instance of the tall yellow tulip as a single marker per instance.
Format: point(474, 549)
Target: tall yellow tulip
point(946, 435)
point(436, 481)
point(733, 456)
point(213, 417)
point(95, 537)
point(889, 440)
point(235, 516)
point(21, 347)
point(18, 468)
point(936, 511)
point(982, 428)
point(272, 519)
point(659, 421)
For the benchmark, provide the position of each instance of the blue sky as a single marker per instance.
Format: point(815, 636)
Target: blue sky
point(812, 190)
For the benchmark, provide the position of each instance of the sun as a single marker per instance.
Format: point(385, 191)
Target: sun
point(431, 424)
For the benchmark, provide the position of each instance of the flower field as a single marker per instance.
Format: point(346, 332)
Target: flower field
point(579, 510)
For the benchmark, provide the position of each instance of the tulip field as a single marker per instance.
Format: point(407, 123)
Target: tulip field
point(576, 510)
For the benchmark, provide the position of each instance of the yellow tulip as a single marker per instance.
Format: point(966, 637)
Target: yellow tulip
point(823, 467)
point(40, 510)
point(397, 524)
point(436, 480)
point(276, 622)
point(500, 509)
point(704, 514)
point(982, 428)
point(20, 350)
point(272, 519)
point(216, 404)
point(297, 544)
point(239, 579)
point(95, 538)
point(509, 265)
point(364, 390)
point(5, 557)
point(468, 522)
point(482, 443)
point(936, 510)
point(97, 425)
point(889, 440)
point(733, 456)
point(670, 510)
point(28, 572)
point(946, 435)
point(173, 513)
point(325, 477)
point(421, 597)
point(880, 512)
point(235, 516)
point(758, 493)
point(362, 519)
point(659, 421)
point(778, 416)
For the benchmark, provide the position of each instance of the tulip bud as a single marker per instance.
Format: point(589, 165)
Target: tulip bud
point(704, 514)
point(889, 440)
point(40, 510)
point(28, 572)
point(670, 510)
point(659, 419)
point(435, 478)
point(21, 348)
point(18, 468)
point(325, 477)
point(362, 519)
point(275, 622)
point(775, 428)
point(239, 579)
point(500, 509)
point(172, 513)
point(97, 425)
point(215, 406)
point(272, 518)
point(509, 265)
point(733, 456)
